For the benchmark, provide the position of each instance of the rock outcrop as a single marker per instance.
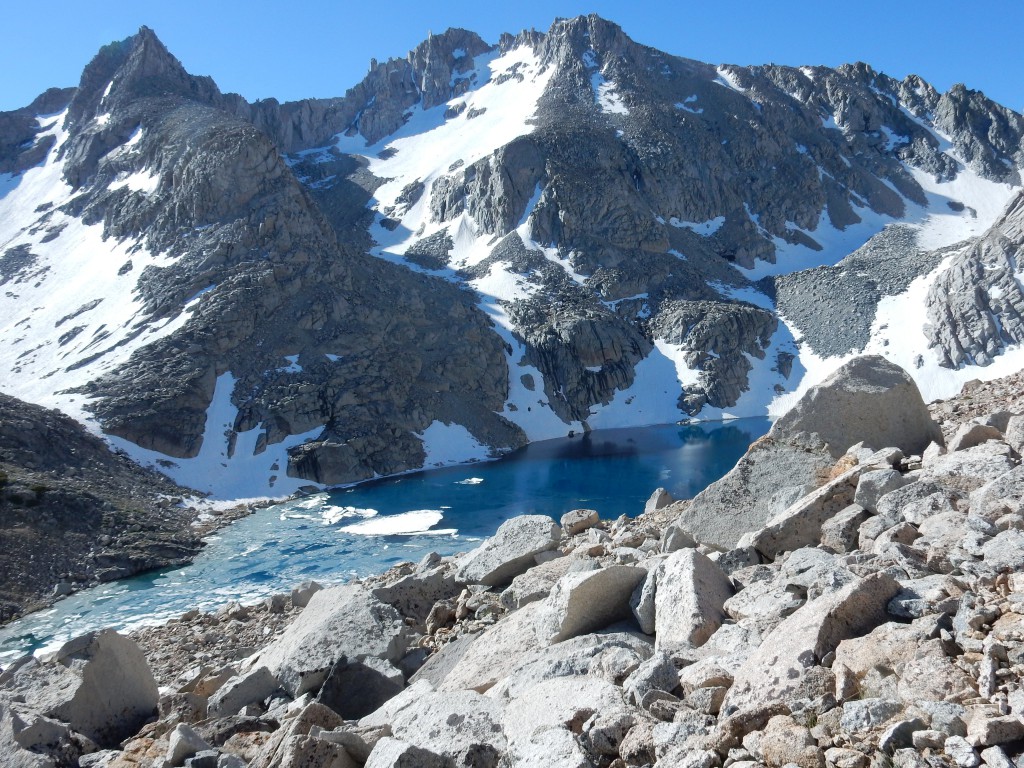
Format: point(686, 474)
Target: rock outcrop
point(95, 514)
point(868, 401)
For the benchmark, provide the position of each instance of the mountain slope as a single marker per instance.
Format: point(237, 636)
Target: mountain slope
point(482, 245)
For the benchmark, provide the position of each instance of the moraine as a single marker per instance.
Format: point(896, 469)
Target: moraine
point(366, 529)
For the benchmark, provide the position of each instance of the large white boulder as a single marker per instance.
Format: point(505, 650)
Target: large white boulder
point(868, 400)
point(510, 551)
point(586, 601)
point(538, 721)
point(463, 726)
point(345, 622)
point(689, 600)
point(99, 684)
point(495, 652)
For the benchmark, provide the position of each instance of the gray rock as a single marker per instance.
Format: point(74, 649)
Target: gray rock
point(946, 716)
point(839, 534)
point(395, 753)
point(995, 757)
point(863, 715)
point(875, 484)
point(1005, 551)
point(536, 583)
point(658, 673)
point(676, 537)
point(983, 731)
point(461, 726)
point(207, 758)
point(415, 594)
point(250, 688)
point(660, 498)
point(869, 399)
point(689, 597)
point(183, 742)
point(609, 655)
point(1004, 493)
point(354, 689)
point(961, 752)
point(800, 524)
point(1014, 433)
point(776, 670)
point(510, 551)
point(764, 604)
point(970, 468)
point(971, 434)
point(98, 683)
point(751, 493)
point(900, 735)
point(784, 742)
point(495, 652)
point(344, 622)
point(583, 602)
point(579, 520)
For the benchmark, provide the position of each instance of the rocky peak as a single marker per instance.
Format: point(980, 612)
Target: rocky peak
point(440, 59)
point(587, 38)
point(137, 67)
point(988, 135)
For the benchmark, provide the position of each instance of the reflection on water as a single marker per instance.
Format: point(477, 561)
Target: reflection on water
point(367, 529)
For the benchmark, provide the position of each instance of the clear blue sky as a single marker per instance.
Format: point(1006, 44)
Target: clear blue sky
point(302, 48)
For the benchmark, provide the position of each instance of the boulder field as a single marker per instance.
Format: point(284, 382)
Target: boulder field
point(850, 595)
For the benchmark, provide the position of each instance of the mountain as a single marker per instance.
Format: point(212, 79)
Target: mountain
point(481, 245)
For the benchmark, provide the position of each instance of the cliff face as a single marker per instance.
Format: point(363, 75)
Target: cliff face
point(483, 244)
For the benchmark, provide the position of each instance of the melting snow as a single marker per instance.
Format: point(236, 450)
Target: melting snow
point(606, 95)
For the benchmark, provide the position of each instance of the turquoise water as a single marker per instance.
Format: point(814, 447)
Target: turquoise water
point(332, 537)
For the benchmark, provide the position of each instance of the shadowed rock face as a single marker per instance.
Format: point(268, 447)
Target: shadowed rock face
point(96, 515)
point(642, 182)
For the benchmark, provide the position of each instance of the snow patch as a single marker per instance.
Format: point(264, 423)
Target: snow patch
point(704, 228)
point(144, 181)
point(450, 444)
point(244, 473)
point(728, 80)
point(293, 365)
point(689, 100)
point(606, 95)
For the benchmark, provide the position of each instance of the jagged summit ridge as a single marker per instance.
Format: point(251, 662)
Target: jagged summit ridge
point(478, 245)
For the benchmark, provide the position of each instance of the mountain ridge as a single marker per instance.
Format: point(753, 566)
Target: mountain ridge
point(597, 215)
